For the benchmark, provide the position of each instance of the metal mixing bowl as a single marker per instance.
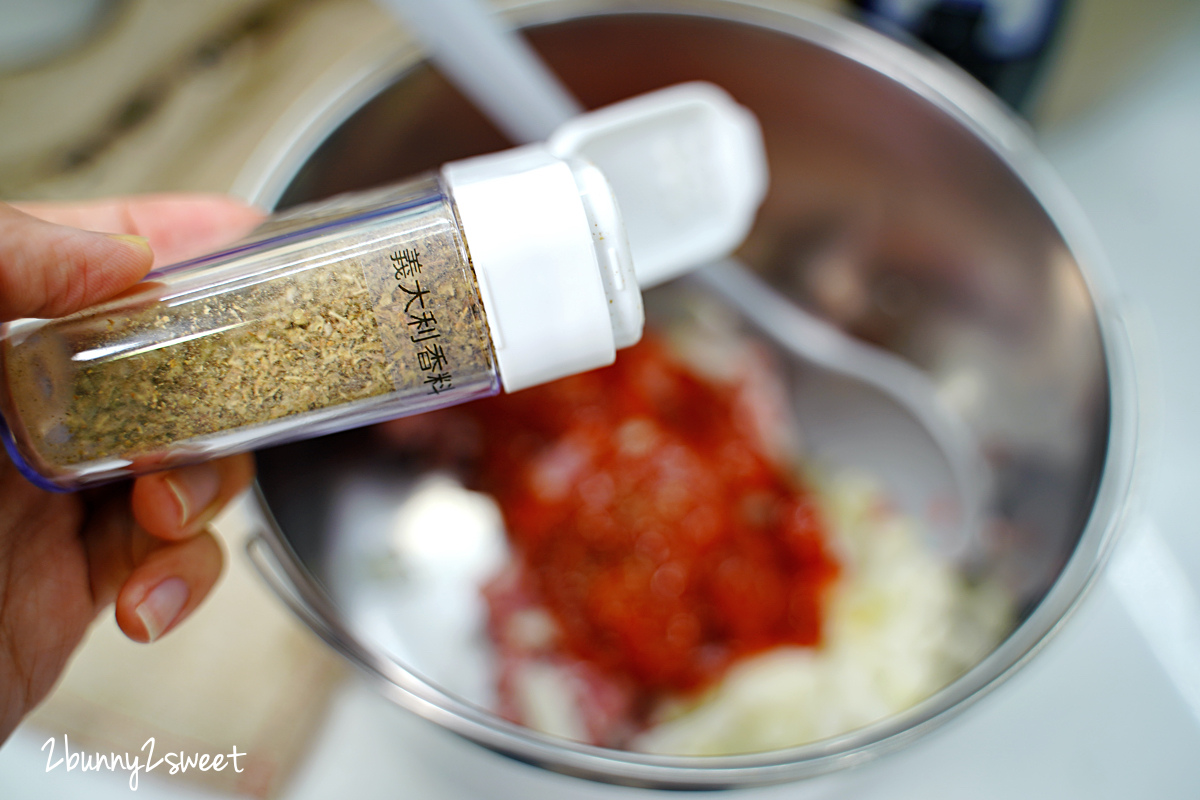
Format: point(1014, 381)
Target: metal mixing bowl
point(906, 206)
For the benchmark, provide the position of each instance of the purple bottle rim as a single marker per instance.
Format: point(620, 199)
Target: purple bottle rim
point(30, 474)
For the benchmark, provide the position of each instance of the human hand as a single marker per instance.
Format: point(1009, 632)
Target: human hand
point(142, 546)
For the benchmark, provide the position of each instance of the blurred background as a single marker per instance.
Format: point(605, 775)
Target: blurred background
point(101, 97)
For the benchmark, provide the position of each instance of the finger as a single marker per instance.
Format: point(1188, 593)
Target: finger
point(115, 544)
point(179, 503)
point(179, 226)
point(49, 270)
point(167, 586)
point(155, 584)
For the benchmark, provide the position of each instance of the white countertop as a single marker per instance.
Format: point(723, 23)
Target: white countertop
point(1110, 709)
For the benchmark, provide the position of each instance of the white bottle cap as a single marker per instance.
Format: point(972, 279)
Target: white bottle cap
point(551, 259)
point(687, 166)
point(552, 254)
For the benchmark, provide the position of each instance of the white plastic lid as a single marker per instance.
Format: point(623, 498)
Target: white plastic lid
point(688, 167)
point(549, 253)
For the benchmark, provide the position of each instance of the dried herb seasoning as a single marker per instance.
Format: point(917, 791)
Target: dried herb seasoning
point(389, 308)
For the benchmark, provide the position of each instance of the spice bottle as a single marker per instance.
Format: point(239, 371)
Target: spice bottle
point(506, 270)
point(495, 273)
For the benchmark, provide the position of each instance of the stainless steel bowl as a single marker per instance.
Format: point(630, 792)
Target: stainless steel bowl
point(906, 206)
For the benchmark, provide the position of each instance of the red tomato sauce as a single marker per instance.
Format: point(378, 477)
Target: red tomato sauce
point(649, 523)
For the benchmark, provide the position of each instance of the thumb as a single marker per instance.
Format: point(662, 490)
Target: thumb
point(49, 270)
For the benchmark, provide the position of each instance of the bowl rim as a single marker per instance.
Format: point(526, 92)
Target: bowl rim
point(317, 113)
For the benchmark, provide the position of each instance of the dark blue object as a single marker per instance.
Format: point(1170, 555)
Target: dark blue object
point(1004, 44)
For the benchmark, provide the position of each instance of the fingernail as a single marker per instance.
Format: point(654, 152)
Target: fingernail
point(160, 608)
point(194, 488)
point(130, 238)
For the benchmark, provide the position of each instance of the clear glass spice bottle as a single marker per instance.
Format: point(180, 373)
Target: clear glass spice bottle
point(502, 271)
